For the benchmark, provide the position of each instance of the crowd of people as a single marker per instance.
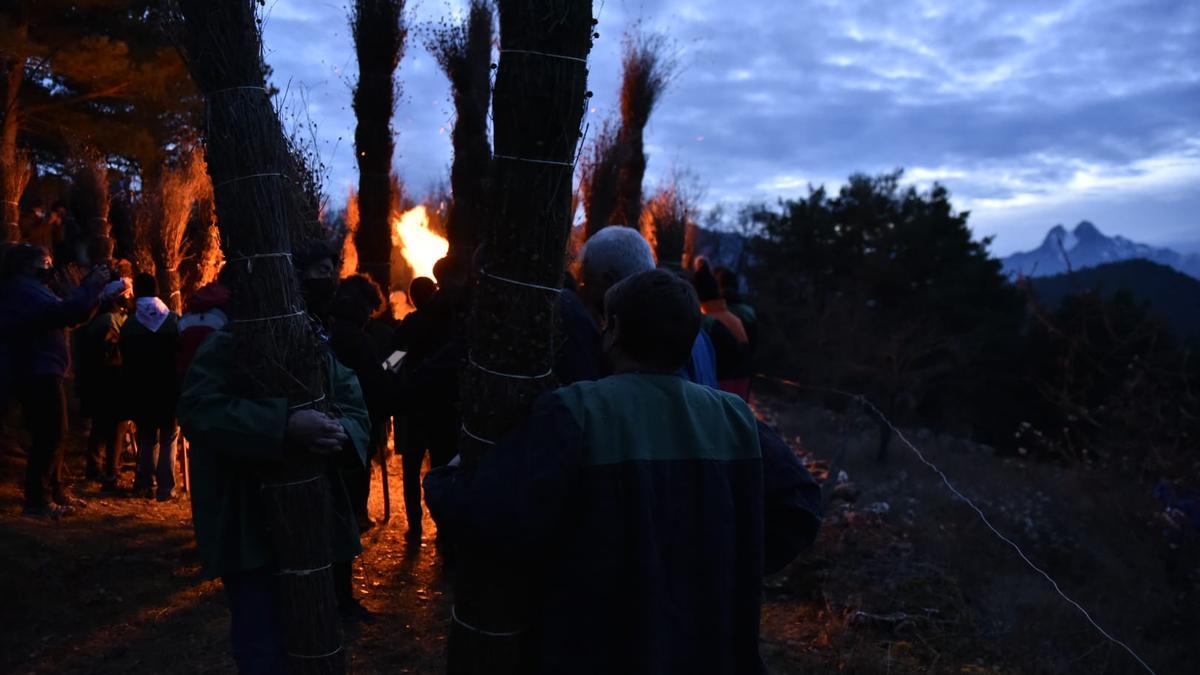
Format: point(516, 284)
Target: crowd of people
point(646, 455)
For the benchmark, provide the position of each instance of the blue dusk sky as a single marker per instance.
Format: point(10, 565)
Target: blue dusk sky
point(1032, 112)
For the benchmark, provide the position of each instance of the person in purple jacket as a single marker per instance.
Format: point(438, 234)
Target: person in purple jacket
point(33, 331)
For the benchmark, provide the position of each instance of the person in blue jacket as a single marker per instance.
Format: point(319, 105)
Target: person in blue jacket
point(648, 501)
point(612, 254)
point(33, 343)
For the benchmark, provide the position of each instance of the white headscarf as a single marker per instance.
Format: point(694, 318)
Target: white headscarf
point(151, 313)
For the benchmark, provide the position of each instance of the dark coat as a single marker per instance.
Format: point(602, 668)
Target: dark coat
point(33, 329)
point(149, 361)
point(98, 374)
point(644, 502)
point(355, 349)
point(235, 440)
point(579, 357)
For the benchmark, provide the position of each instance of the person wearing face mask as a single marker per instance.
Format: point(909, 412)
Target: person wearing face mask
point(235, 440)
point(33, 330)
point(316, 264)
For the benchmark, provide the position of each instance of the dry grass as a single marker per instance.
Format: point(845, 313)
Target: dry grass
point(649, 62)
point(598, 179)
point(920, 586)
point(89, 197)
point(464, 51)
point(16, 178)
point(669, 218)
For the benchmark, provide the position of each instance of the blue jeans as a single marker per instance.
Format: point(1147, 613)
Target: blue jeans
point(156, 459)
point(255, 627)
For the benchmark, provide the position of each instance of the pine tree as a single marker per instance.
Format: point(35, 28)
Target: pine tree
point(98, 72)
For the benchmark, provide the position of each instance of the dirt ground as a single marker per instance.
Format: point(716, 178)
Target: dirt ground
point(903, 579)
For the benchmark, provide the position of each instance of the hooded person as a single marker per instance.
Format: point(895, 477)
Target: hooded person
point(149, 354)
point(34, 348)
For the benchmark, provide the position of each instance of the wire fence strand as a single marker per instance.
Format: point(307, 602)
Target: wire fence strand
point(982, 516)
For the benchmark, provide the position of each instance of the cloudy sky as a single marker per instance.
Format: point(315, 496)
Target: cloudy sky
point(1032, 112)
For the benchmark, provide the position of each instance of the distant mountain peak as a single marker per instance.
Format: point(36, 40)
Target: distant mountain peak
point(1086, 246)
point(1086, 230)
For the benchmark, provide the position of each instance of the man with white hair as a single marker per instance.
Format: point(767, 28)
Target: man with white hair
point(609, 256)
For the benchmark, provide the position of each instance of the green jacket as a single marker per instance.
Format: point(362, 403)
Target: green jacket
point(235, 441)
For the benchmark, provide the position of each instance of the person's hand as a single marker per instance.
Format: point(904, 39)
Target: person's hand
point(315, 432)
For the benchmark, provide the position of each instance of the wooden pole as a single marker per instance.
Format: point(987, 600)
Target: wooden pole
point(261, 203)
point(539, 99)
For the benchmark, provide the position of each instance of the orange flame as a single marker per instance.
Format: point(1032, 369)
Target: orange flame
point(349, 247)
point(420, 246)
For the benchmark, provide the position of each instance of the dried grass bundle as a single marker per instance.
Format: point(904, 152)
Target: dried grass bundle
point(379, 35)
point(89, 202)
point(205, 248)
point(147, 219)
point(538, 106)
point(264, 198)
point(598, 179)
point(179, 189)
point(649, 63)
point(669, 219)
point(15, 178)
point(210, 260)
point(464, 52)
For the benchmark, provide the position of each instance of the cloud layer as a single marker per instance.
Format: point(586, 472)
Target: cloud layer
point(1030, 111)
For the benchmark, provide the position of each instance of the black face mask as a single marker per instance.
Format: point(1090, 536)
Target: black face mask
point(318, 295)
point(44, 274)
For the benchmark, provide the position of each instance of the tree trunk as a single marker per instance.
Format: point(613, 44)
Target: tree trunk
point(379, 35)
point(538, 108)
point(259, 205)
point(13, 176)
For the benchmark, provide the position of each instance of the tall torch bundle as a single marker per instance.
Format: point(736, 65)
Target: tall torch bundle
point(261, 203)
point(538, 109)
